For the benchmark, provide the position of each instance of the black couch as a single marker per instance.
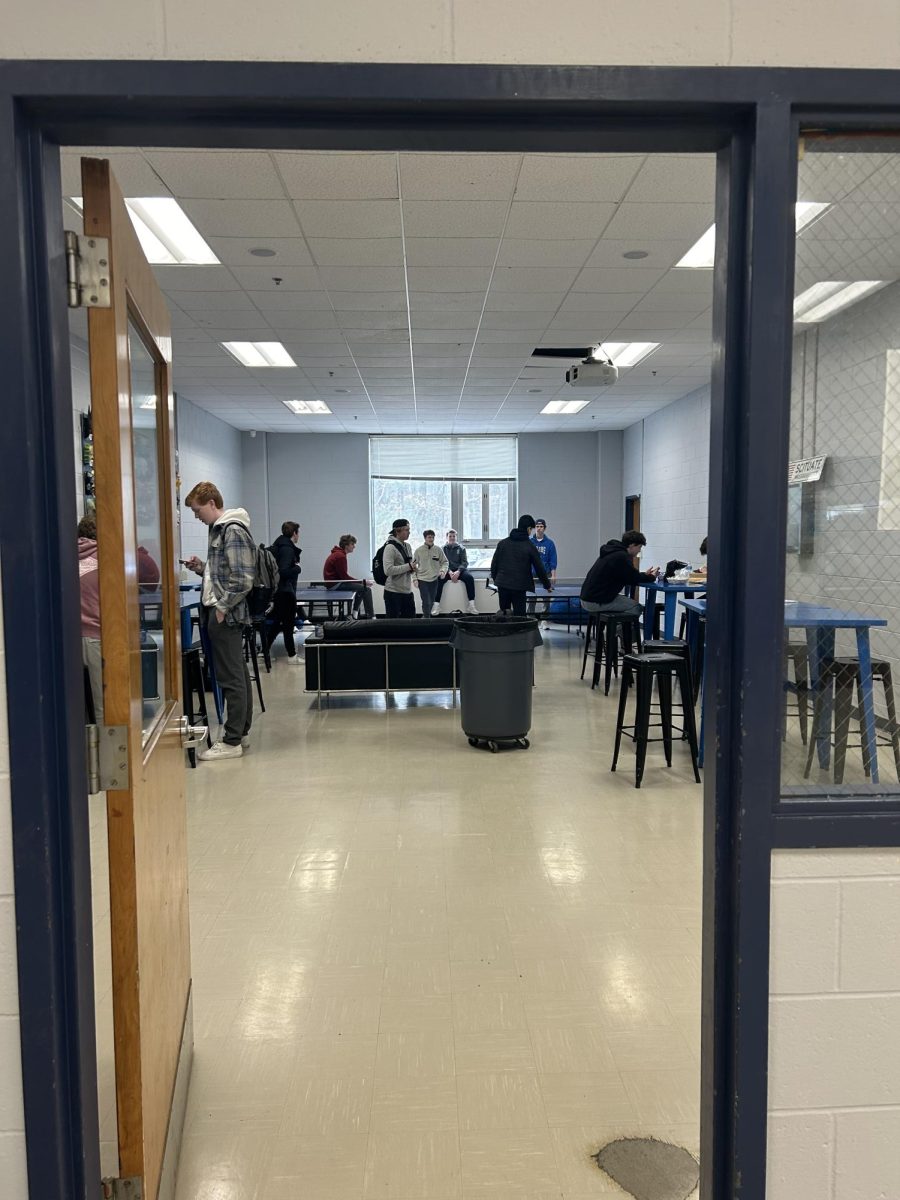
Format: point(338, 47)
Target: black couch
point(383, 655)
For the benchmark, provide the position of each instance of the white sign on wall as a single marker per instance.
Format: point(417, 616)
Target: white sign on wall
point(806, 470)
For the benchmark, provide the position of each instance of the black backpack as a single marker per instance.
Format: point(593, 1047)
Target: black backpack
point(378, 573)
point(265, 578)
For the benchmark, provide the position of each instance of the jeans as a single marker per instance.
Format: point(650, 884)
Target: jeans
point(464, 578)
point(428, 589)
point(363, 595)
point(227, 642)
point(619, 604)
point(284, 611)
point(512, 600)
point(399, 604)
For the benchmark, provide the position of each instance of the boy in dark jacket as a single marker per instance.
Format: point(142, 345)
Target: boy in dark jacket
point(512, 565)
point(613, 571)
point(284, 602)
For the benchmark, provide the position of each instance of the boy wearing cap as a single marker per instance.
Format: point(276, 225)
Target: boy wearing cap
point(545, 547)
point(399, 568)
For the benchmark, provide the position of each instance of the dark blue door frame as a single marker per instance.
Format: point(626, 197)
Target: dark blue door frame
point(751, 119)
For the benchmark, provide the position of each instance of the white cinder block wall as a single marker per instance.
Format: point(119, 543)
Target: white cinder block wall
point(865, 33)
point(667, 464)
point(834, 1016)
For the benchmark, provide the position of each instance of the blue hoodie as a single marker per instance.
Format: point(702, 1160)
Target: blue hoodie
point(547, 550)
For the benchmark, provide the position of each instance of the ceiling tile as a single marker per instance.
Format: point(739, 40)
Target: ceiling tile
point(263, 279)
point(217, 174)
point(577, 176)
point(534, 279)
point(179, 277)
point(329, 176)
point(454, 218)
point(366, 301)
point(609, 252)
point(665, 221)
point(616, 280)
point(349, 218)
point(458, 176)
point(669, 179)
point(553, 252)
point(451, 251)
point(563, 219)
point(362, 279)
point(235, 251)
point(276, 300)
point(518, 302)
point(243, 218)
point(448, 279)
point(357, 252)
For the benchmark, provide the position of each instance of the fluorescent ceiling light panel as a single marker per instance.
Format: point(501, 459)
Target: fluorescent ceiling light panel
point(625, 354)
point(703, 253)
point(306, 407)
point(823, 300)
point(164, 230)
point(566, 407)
point(260, 354)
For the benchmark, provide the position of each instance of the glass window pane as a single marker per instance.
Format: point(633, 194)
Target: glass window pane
point(424, 502)
point(148, 514)
point(843, 537)
point(472, 514)
point(498, 502)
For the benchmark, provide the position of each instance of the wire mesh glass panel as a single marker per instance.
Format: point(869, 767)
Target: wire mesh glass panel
point(842, 624)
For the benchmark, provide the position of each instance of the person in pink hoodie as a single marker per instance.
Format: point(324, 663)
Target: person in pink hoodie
point(89, 579)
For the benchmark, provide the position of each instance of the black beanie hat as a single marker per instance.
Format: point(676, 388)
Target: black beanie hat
point(525, 523)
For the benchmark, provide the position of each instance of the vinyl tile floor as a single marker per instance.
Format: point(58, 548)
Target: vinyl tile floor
point(427, 972)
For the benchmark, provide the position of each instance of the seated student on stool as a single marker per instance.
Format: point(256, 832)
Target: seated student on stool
point(431, 567)
point(336, 569)
point(613, 571)
point(458, 568)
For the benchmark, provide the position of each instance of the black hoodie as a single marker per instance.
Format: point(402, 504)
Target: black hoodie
point(512, 563)
point(287, 555)
point(612, 571)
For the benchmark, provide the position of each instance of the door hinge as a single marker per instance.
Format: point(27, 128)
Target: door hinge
point(87, 271)
point(107, 758)
point(122, 1189)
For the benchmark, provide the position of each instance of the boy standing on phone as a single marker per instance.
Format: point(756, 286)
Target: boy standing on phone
point(228, 575)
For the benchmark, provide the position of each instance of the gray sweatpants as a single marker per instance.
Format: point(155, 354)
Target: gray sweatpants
point(227, 643)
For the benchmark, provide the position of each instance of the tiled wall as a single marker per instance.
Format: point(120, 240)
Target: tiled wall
point(712, 32)
point(842, 382)
point(12, 1119)
point(834, 1049)
point(207, 449)
point(674, 478)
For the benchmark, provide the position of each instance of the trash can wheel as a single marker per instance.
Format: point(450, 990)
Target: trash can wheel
point(473, 741)
point(523, 742)
point(493, 747)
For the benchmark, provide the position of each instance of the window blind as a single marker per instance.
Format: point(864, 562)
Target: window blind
point(423, 457)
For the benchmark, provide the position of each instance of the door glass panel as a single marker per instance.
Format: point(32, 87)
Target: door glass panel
point(498, 505)
point(148, 510)
point(842, 635)
point(471, 512)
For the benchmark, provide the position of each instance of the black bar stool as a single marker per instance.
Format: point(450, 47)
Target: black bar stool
point(251, 655)
point(842, 674)
point(797, 654)
point(679, 647)
point(192, 683)
point(609, 626)
point(642, 669)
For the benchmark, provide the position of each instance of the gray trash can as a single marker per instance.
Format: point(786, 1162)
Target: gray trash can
point(495, 658)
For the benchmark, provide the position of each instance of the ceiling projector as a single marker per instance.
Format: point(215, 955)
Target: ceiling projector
point(592, 373)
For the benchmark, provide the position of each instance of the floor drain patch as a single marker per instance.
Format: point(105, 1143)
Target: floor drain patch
point(649, 1169)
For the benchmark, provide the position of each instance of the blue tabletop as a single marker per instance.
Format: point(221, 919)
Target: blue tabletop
point(676, 585)
point(800, 615)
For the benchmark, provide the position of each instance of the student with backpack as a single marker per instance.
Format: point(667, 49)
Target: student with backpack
point(229, 574)
point(286, 553)
point(395, 565)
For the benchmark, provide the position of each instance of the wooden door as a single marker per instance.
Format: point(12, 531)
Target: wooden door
point(132, 410)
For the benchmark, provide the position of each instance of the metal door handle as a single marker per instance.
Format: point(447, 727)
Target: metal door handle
point(191, 735)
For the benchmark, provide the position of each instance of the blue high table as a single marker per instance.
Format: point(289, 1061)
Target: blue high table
point(820, 623)
point(671, 591)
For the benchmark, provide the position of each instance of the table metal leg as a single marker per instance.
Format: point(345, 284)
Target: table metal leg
point(820, 648)
point(867, 724)
point(649, 611)
point(669, 616)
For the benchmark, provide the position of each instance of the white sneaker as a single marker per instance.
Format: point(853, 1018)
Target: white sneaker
point(245, 742)
point(472, 609)
point(221, 750)
point(296, 659)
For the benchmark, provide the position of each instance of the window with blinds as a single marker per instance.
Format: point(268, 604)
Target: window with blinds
point(440, 483)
